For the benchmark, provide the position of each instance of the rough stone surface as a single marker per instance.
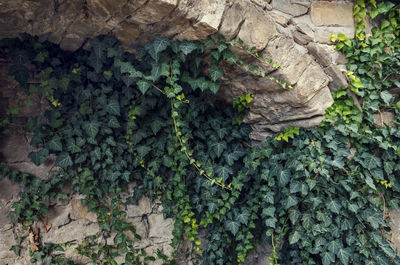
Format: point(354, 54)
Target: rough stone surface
point(280, 29)
point(338, 78)
point(320, 54)
point(294, 8)
point(337, 13)
point(257, 29)
point(384, 118)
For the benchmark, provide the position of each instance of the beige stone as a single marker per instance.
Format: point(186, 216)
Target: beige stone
point(74, 231)
point(232, 19)
point(384, 118)
point(293, 58)
point(257, 29)
point(324, 13)
point(290, 7)
point(80, 212)
point(143, 208)
point(338, 78)
point(320, 53)
point(160, 228)
point(153, 11)
point(127, 33)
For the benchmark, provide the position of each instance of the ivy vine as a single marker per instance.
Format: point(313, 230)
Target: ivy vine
point(319, 197)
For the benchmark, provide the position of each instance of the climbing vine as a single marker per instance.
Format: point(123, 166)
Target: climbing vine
point(319, 197)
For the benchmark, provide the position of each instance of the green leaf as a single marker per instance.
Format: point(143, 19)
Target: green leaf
point(327, 258)
point(294, 215)
point(344, 255)
point(212, 207)
point(142, 151)
point(64, 160)
point(243, 217)
point(91, 128)
point(39, 157)
point(269, 211)
point(283, 177)
point(232, 226)
point(294, 237)
point(334, 206)
point(271, 222)
point(156, 125)
point(55, 144)
point(113, 123)
point(224, 172)
point(334, 246)
point(72, 147)
point(218, 148)
point(187, 47)
point(160, 44)
point(291, 201)
point(113, 107)
point(386, 96)
point(215, 73)
point(143, 86)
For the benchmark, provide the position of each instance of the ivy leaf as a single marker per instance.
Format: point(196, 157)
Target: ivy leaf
point(232, 226)
point(370, 161)
point(344, 255)
point(243, 217)
point(283, 177)
point(91, 128)
point(187, 47)
point(64, 160)
point(334, 246)
point(231, 157)
point(212, 207)
point(143, 150)
point(271, 222)
point(223, 172)
point(386, 96)
point(291, 201)
point(269, 211)
point(218, 148)
point(39, 157)
point(55, 144)
point(215, 72)
point(334, 206)
point(160, 44)
point(156, 126)
point(294, 237)
point(294, 215)
point(143, 86)
point(327, 258)
point(113, 107)
point(113, 122)
point(72, 147)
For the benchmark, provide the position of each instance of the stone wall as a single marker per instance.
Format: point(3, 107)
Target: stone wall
point(295, 33)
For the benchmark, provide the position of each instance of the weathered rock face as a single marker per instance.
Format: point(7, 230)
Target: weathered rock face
point(295, 33)
point(289, 32)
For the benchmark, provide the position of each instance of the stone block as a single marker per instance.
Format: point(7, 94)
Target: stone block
point(153, 11)
point(143, 208)
point(257, 29)
point(338, 78)
point(324, 13)
point(320, 53)
point(232, 19)
point(74, 231)
point(294, 8)
point(160, 229)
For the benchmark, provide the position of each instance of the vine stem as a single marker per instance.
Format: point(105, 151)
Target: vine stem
point(190, 158)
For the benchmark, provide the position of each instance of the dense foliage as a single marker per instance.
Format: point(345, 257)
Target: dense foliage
point(320, 197)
